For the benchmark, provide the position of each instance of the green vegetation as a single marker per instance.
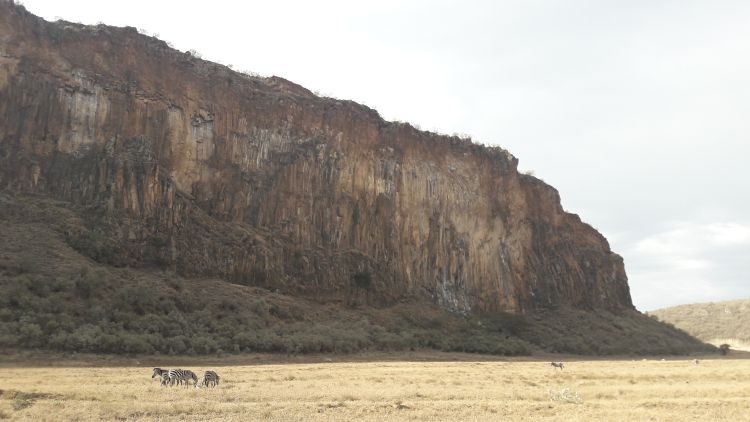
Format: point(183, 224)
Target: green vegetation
point(54, 297)
point(125, 311)
point(602, 332)
point(95, 245)
point(362, 280)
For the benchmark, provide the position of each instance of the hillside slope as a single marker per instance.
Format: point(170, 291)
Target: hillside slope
point(186, 164)
point(716, 323)
point(54, 298)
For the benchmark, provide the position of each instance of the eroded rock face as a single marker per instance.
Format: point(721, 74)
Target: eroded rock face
point(184, 163)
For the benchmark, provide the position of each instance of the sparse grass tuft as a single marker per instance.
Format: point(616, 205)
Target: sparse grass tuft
point(565, 395)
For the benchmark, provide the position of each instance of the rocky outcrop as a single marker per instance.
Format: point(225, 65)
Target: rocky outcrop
point(181, 162)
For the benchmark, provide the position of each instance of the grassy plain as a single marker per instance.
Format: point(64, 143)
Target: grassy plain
point(462, 387)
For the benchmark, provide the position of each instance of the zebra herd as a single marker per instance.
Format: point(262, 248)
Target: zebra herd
point(172, 377)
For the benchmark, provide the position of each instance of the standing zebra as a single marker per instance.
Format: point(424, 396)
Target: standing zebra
point(163, 375)
point(209, 377)
point(180, 375)
point(164, 379)
point(557, 365)
point(175, 377)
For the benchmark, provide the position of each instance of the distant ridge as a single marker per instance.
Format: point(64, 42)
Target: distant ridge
point(713, 322)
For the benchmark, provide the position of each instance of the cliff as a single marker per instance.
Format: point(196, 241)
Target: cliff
point(178, 162)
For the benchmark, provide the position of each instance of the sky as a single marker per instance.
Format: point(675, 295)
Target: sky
point(637, 111)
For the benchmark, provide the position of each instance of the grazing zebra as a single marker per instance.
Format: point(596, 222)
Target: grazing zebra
point(190, 375)
point(557, 365)
point(209, 377)
point(175, 376)
point(182, 375)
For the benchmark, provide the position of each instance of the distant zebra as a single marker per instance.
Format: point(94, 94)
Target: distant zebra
point(182, 375)
point(557, 365)
point(209, 377)
point(163, 375)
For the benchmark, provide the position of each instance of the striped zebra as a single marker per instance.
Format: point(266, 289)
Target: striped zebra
point(164, 379)
point(163, 375)
point(182, 375)
point(209, 377)
point(557, 365)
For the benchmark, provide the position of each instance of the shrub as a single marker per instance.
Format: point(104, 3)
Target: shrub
point(133, 343)
point(21, 266)
point(154, 252)
point(362, 280)
point(138, 299)
point(260, 307)
point(31, 335)
point(204, 345)
point(174, 283)
point(87, 283)
point(96, 246)
point(506, 323)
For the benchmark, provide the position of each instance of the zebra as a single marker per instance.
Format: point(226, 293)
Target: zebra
point(173, 377)
point(163, 375)
point(180, 375)
point(165, 379)
point(190, 375)
point(557, 365)
point(209, 377)
point(158, 371)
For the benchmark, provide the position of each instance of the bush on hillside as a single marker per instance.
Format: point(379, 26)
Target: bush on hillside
point(119, 312)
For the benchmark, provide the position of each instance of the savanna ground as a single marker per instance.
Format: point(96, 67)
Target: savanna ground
point(426, 387)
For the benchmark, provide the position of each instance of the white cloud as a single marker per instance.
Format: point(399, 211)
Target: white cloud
point(694, 239)
point(674, 286)
point(690, 263)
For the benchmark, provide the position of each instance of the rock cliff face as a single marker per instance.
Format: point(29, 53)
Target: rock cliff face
point(184, 163)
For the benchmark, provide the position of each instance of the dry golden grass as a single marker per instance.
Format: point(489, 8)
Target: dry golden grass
point(391, 390)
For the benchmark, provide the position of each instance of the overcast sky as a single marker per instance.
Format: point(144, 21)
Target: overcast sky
point(638, 112)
